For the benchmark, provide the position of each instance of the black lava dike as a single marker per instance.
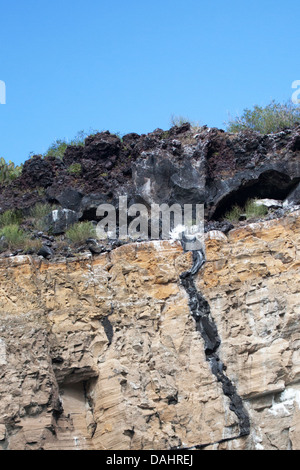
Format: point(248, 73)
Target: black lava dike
point(108, 329)
point(200, 311)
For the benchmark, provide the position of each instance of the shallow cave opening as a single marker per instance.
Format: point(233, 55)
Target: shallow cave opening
point(89, 215)
point(270, 185)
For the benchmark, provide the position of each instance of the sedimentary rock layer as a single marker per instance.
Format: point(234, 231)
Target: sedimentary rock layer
point(102, 352)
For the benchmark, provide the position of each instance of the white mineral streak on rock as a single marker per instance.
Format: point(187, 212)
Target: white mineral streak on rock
point(268, 203)
point(146, 188)
point(285, 405)
point(215, 235)
point(2, 352)
point(55, 215)
point(176, 233)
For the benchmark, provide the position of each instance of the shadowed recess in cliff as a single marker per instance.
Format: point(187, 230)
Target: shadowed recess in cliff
point(270, 184)
point(200, 311)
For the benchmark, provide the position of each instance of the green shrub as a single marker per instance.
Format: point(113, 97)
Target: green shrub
point(58, 147)
point(9, 171)
point(75, 169)
point(80, 231)
point(38, 213)
point(234, 214)
point(254, 210)
point(250, 209)
point(119, 135)
point(180, 120)
point(10, 217)
point(14, 237)
point(269, 119)
point(32, 245)
point(41, 209)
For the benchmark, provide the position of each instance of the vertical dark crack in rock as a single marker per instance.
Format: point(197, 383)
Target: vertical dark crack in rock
point(108, 328)
point(200, 311)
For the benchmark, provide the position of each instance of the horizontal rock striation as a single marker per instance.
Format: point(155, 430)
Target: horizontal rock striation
point(102, 352)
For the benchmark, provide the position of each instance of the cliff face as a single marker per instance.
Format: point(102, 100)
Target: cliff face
point(104, 352)
point(182, 165)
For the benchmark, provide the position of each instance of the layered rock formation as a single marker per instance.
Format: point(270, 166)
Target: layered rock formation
point(104, 352)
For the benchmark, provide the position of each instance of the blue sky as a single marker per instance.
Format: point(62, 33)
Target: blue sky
point(128, 66)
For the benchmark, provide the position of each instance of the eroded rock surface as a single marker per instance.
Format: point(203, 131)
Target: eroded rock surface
point(102, 352)
point(182, 165)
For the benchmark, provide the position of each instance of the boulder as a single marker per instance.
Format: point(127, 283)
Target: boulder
point(37, 172)
point(94, 246)
point(293, 198)
point(101, 146)
point(269, 203)
point(58, 221)
point(45, 251)
point(70, 199)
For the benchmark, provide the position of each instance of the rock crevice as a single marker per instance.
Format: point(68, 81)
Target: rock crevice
point(205, 325)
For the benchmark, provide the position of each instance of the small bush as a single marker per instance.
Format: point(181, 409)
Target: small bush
point(10, 217)
point(254, 210)
point(32, 245)
point(38, 214)
point(40, 210)
point(234, 214)
point(180, 120)
point(58, 147)
point(75, 169)
point(80, 232)
point(266, 120)
point(13, 237)
point(250, 209)
point(9, 171)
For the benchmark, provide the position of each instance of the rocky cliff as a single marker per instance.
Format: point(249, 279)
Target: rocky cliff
point(182, 165)
point(145, 345)
point(107, 352)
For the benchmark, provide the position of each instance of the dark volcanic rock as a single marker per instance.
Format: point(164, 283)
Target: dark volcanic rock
point(45, 251)
point(294, 197)
point(70, 199)
point(94, 246)
point(101, 146)
point(130, 139)
point(58, 221)
point(89, 204)
point(37, 172)
point(182, 165)
point(222, 226)
point(73, 154)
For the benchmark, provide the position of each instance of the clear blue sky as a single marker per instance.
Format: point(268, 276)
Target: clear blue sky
point(129, 65)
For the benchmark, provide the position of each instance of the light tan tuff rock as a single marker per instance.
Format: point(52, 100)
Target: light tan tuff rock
point(102, 352)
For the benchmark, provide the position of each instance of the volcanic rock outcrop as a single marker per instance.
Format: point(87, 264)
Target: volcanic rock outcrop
point(184, 165)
